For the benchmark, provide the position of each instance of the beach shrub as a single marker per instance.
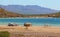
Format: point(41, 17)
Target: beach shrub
point(4, 34)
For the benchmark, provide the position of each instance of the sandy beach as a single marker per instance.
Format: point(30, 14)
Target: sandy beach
point(33, 30)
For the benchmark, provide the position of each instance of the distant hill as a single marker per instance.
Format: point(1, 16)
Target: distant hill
point(28, 9)
point(5, 13)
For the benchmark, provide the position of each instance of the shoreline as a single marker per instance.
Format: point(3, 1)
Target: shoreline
point(32, 28)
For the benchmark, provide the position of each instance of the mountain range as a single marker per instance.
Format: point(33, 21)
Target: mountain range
point(4, 13)
point(28, 9)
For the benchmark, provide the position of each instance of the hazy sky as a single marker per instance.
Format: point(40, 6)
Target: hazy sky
point(53, 4)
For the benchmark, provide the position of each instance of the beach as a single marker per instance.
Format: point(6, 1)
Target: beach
point(34, 31)
point(31, 28)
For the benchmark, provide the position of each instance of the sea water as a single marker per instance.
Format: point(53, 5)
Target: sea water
point(33, 21)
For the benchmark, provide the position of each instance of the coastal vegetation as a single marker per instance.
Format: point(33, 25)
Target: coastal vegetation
point(57, 14)
point(4, 34)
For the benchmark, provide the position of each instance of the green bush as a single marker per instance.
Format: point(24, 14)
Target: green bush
point(4, 34)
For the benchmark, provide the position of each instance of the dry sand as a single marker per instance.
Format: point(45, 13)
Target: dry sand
point(34, 31)
point(32, 28)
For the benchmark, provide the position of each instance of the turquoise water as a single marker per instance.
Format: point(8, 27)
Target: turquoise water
point(34, 21)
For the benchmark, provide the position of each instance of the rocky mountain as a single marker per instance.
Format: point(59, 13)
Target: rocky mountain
point(28, 9)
